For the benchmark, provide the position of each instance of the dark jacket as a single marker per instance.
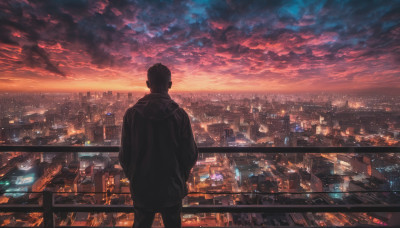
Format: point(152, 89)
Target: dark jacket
point(157, 151)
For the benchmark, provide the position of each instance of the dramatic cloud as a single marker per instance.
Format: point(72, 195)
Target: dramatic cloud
point(209, 45)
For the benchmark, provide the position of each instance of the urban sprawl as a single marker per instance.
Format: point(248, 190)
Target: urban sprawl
point(218, 120)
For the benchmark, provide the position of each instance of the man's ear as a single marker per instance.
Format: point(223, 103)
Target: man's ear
point(148, 84)
point(169, 85)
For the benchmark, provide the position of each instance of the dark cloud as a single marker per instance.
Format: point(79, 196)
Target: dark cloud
point(279, 37)
point(35, 56)
point(6, 37)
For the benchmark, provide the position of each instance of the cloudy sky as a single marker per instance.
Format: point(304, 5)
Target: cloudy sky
point(216, 45)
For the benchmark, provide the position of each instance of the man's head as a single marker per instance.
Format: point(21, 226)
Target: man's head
point(158, 78)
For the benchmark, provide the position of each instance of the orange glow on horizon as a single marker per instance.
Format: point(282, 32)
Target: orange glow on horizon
point(198, 83)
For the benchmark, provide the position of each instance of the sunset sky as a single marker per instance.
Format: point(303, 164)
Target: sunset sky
point(216, 45)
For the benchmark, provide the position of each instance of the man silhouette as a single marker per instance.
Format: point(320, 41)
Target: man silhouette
point(157, 152)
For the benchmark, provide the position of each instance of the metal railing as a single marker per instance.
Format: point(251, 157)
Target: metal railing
point(266, 150)
point(48, 207)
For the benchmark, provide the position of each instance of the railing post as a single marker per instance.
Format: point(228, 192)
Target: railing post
point(48, 209)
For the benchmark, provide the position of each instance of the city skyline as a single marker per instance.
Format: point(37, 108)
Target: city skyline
point(232, 46)
point(241, 122)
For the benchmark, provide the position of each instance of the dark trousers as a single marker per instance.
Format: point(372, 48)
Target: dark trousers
point(171, 217)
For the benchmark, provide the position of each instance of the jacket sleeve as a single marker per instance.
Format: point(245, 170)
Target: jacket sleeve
point(125, 155)
point(189, 151)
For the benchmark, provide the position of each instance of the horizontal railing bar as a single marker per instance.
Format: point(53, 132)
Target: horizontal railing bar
point(21, 208)
point(18, 192)
point(274, 193)
point(212, 208)
point(292, 193)
point(239, 208)
point(292, 208)
point(76, 149)
point(57, 149)
point(217, 193)
point(299, 149)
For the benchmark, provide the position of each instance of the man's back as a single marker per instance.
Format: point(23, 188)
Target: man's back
point(157, 151)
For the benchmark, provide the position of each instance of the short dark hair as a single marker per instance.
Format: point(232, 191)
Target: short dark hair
point(158, 75)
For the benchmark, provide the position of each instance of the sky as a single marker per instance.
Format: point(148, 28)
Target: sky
point(215, 45)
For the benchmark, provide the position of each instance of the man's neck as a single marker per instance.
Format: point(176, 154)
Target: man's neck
point(161, 92)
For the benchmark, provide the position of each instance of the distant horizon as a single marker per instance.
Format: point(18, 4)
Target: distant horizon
point(368, 91)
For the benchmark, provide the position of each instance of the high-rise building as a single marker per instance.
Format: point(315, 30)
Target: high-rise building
point(100, 185)
point(294, 182)
point(130, 97)
point(286, 124)
point(112, 132)
point(80, 120)
point(94, 133)
point(346, 105)
point(109, 119)
point(65, 110)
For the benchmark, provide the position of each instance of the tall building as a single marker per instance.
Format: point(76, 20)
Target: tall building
point(94, 133)
point(100, 185)
point(112, 132)
point(346, 105)
point(65, 110)
point(286, 124)
point(130, 97)
point(80, 119)
point(294, 182)
point(229, 135)
point(109, 119)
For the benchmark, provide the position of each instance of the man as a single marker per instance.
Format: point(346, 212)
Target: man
point(157, 152)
